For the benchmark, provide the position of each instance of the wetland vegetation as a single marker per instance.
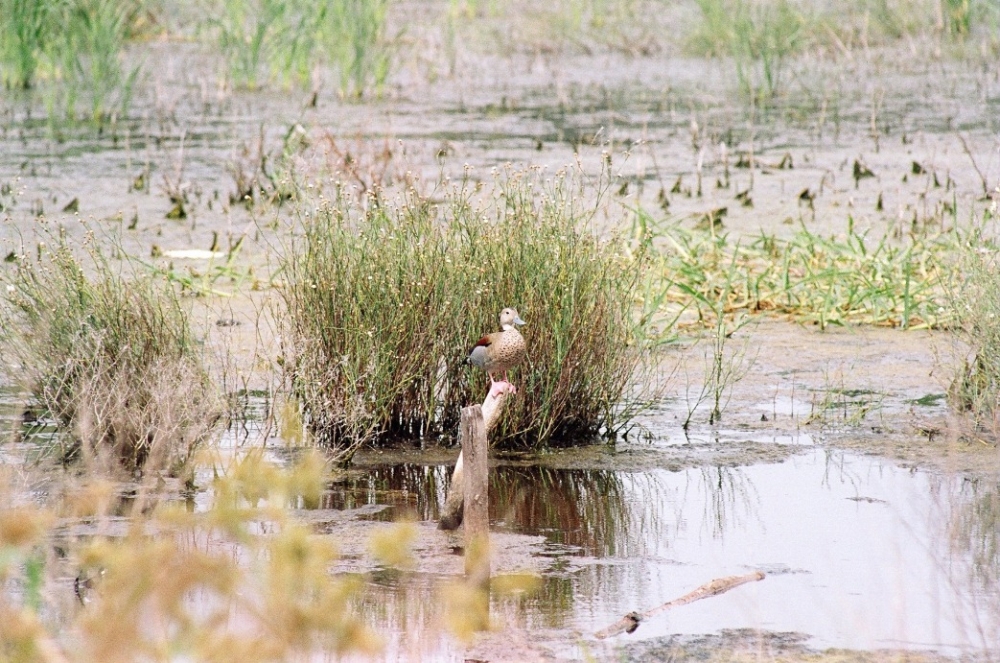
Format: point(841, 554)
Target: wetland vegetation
point(112, 359)
point(381, 301)
point(297, 217)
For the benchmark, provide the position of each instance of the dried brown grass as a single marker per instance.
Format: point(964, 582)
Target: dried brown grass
point(111, 359)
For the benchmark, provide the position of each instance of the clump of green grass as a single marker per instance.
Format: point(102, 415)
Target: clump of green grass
point(90, 62)
point(24, 32)
point(837, 280)
point(871, 20)
point(383, 303)
point(287, 40)
point(354, 37)
point(73, 52)
point(113, 360)
point(975, 299)
point(758, 35)
point(761, 36)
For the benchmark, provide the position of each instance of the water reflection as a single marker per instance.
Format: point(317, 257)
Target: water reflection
point(583, 509)
point(600, 513)
point(871, 547)
point(414, 491)
point(974, 527)
point(732, 498)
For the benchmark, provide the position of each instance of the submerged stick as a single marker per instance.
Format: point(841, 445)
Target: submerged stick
point(451, 514)
point(630, 622)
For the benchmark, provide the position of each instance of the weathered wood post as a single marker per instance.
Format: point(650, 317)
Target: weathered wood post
point(451, 513)
point(476, 509)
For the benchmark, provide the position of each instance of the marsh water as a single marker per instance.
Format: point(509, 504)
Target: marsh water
point(832, 470)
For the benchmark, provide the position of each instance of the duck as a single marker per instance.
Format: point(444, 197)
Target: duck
point(500, 351)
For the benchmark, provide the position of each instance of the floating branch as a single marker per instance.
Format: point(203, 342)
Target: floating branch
point(630, 622)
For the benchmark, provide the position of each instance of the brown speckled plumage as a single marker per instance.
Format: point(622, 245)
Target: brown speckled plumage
point(500, 351)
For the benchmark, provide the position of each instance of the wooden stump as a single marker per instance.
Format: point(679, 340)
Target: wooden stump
point(476, 504)
point(451, 513)
point(475, 511)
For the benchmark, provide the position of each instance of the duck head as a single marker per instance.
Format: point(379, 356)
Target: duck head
point(509, 318)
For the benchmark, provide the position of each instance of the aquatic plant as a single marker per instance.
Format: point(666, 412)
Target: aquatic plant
point(974, 297)
point(288, 39)
point(112, 360)
point(894, 19)
point(24, 32)
point(251, 35)
point(850, 278)
point(353, 36)
point(73, 52)
point(384, 301)
point(758, 36)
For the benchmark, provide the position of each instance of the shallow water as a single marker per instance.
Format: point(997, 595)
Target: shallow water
point(859, 552)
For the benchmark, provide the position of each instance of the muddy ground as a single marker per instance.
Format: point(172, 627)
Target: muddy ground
point(837, 467)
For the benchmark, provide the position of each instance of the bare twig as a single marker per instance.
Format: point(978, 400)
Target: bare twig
point(630, 622)
point(982, 178)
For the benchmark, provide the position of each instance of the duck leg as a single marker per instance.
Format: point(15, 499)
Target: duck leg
point(509, 387)
point(501, 387)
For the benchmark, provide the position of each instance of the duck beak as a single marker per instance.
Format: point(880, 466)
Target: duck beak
point(518, 321)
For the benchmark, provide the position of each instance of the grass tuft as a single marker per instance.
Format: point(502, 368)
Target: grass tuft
point(976, 301)
point(114, 361)
point(383, 303)
point(759, 36)
point(24, 31)
point(288, 39)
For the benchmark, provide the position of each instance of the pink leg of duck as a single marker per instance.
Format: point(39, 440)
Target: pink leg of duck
point(502, 387)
